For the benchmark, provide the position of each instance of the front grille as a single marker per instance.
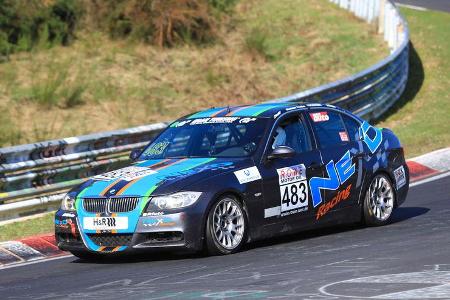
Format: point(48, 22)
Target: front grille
point(95, 205)
point(122, 204)
point(114, 204)
point(111, 240)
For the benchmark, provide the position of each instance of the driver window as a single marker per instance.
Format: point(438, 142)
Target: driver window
point(292, 132)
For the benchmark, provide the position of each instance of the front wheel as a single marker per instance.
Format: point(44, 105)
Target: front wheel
point(379, 201)
point(226, 227)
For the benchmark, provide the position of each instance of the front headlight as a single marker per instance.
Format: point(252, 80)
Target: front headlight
point(68, 203)
point(177, 200)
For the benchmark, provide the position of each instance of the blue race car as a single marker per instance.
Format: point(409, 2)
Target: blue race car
point(222, 177)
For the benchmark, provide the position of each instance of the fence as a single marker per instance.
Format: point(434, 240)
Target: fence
point(35, 177)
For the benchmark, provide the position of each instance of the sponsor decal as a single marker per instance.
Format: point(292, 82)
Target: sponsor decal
point(66, 225)
point(277, 114)
point(344, 136)
point(218, 120)
point(247, 120)
point(180, 123)
point(153, 214)
point(247, 175)
point(158, 222)
point(339, 172)
point(157, 149)
point(69, 215)
point(341, 196)
point(400, 177)
point(295, 107)
point(105, 223)
point(293, 189)
point(319, 116)
point(374, 143)
point(127, 174)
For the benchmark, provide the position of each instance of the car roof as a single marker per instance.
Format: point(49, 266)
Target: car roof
point(262, 110)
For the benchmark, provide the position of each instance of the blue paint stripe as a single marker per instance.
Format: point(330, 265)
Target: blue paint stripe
point(206, 113)
point(146, 183)
point(255, 110)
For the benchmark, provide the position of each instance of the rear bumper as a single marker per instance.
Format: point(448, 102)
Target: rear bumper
point(181, 231)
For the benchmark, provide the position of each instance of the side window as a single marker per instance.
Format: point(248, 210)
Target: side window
point(352, 127)
point(293, 133)
point(329, 128)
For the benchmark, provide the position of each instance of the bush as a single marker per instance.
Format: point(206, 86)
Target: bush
point(225, 6)
point(256, 43)
point(25, 24)
point(161, 22)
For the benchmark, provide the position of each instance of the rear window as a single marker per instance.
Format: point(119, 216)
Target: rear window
point(329, 128)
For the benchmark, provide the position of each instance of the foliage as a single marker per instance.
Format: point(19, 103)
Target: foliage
point(25, 24)
point(162, 22)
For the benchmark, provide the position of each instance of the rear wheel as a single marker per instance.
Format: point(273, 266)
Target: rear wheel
point(379, 201)
point(226, 227)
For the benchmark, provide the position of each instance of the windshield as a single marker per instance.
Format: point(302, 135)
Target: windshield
point(208, 137)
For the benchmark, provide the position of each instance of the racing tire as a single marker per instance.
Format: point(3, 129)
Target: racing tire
point(379, 201)
point(226, 227)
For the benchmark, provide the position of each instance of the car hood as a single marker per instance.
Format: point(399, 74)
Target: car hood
point(158, 177)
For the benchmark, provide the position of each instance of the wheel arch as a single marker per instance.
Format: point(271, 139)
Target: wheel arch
point(229, 192)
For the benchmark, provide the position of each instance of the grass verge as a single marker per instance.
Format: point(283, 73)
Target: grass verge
point(421, 118)
point(265, 49)
point(30, 227)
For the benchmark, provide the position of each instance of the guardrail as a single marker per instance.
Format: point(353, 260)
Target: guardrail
point(34, 177)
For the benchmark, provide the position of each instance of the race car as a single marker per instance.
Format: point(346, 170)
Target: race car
point(220, 178)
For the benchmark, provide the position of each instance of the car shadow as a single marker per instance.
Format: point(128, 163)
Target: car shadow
point(405, 213)
point(416, 77)
point(399, 215)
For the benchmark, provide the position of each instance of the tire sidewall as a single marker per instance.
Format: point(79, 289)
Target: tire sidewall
point(213, 246)
point(368, 215)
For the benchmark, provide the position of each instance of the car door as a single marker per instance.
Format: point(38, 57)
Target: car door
point(340, 154)
point(285, 180)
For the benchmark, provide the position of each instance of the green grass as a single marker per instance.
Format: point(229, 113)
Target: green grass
point(421, 119)
point(264, 50)
point(40, 225)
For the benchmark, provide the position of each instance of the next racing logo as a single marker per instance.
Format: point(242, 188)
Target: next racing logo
point(339, 172)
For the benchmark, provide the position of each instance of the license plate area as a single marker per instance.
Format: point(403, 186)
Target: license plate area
point(105, 223)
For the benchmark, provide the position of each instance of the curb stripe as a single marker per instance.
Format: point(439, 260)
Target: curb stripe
point(418, 171)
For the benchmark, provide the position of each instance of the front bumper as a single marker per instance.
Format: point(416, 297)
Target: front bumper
point(182, 230)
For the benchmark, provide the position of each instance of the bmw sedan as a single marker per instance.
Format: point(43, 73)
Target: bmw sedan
point(220, 178)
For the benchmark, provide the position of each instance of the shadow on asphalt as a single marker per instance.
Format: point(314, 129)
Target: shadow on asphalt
point(416, 76)
point(405, 213)
point(399, 215)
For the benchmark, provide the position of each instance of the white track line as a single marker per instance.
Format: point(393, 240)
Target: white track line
point(426, 180)
point(429, 179)
point(415, 7)
point(34, 262)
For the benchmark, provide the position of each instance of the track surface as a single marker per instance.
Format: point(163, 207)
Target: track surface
point(442, 5)
point(315, 265)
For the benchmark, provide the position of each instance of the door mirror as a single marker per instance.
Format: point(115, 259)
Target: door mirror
point(281, 152)
point(135, 153)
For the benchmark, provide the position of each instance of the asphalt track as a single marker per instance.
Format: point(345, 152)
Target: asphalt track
point(326, 264)
point(442, 5)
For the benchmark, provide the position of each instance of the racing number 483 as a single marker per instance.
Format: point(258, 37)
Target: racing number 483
point(294, 193)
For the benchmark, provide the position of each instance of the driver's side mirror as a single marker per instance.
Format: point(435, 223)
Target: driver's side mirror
point(281, 152)
point(135, 153)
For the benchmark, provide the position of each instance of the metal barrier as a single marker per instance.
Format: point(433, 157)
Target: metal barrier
point(34, 177)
